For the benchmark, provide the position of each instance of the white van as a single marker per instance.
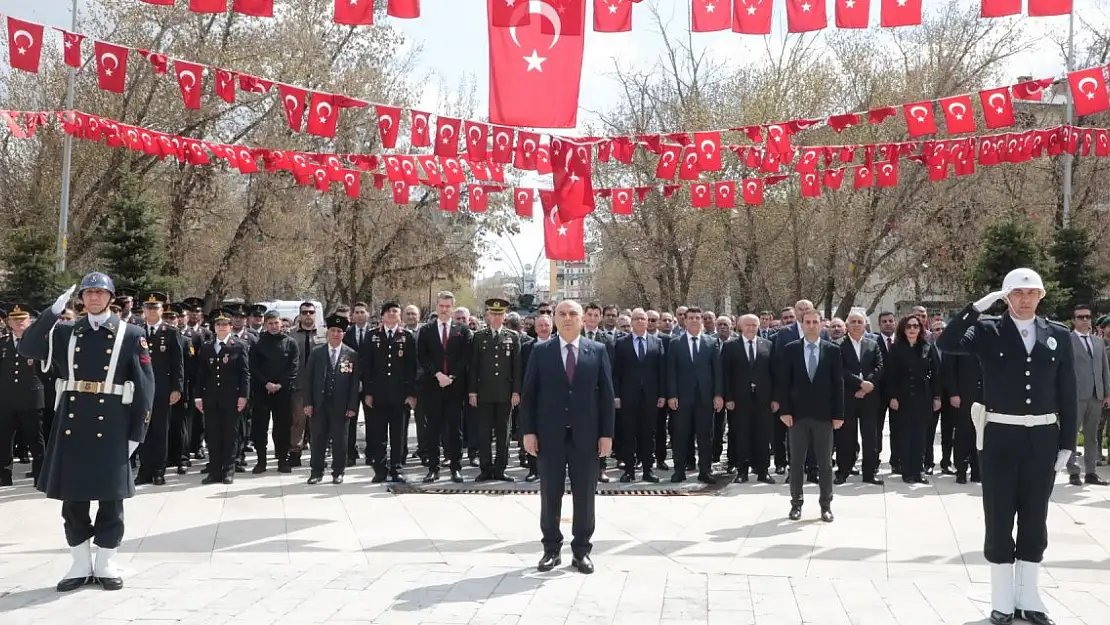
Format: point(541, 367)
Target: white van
point(289, 309)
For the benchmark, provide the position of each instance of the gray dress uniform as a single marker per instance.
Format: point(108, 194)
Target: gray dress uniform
point(495, 374)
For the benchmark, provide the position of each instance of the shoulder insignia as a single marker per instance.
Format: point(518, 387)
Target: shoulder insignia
point(142, 342)
point(192, 350)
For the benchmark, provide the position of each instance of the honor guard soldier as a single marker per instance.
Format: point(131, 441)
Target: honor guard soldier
point(331, 399)
point(1026, 429)
point(164, 342)
point(223, 387)
point(389, 390)
point(493, 384)
point(21, 397)
point(101, 415)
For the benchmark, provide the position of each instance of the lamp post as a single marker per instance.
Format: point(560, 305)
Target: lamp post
point(67, 159)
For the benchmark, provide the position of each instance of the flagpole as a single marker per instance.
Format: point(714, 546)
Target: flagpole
point(1069, 117)
point(67, 159)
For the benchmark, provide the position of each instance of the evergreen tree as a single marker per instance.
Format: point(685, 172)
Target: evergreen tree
point(29, 260)
point(1008, 245)
point(1075, 271)
point(130, 243)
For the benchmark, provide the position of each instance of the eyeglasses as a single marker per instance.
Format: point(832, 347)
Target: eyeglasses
point(308, 312)
point(912, 326)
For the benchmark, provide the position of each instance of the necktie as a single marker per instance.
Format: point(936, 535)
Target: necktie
point(334, 357)
point(694, 345)
point(640, 347)
point(811, 360)
point(590, 335)
point(571, 362)
point(889, 342)
point(751, 352)
point(149, 333)
point(219, 347)
point(1087, 344)
point(443, 343)
point(358, 339)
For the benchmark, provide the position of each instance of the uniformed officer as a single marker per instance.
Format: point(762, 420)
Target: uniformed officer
point(493, 384)
point(243, 438)
point(21, 398)
point(255, 317)
point(102, 413)
point(125, 299)
point(164, 341)
point(331, 399)
point(1026, 430)
point(223, 387)
point(389, 390)
point(197, 335)
point(178, 438)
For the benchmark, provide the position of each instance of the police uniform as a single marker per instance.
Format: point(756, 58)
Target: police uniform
point(495, 375)
point(177, 448)
point(21, 402)
point(389, 378)
point(1026, 422)
point(331, 392)
point(102, 413)
point(196, 336)
point(243, 433)
point(164, 341)
point(223, 378)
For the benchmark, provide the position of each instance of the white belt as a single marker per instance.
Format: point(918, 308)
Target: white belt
point(980, 417)
point(81, 386)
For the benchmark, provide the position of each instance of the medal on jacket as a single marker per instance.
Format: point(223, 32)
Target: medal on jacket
point(225, 359)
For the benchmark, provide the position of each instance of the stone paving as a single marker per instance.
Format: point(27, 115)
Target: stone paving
point(271, 549)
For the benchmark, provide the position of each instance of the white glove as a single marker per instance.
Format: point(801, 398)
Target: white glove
point(131, 447)
point(988, 301)
point(1062, 457)
point(60, 303)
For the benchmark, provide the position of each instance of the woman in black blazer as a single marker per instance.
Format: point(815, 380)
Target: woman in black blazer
point(912, 374)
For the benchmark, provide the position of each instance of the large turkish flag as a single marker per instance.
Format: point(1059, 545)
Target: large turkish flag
point(535, 77)
point(563, 240)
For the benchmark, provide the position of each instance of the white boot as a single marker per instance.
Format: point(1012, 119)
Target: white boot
point(1002, 588)
point(1027, 596)
point(81, 569)
point(105, 572)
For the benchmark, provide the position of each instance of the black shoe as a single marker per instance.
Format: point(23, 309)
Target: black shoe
point(315, 479)
point(110, 583)
point(873, 480)
point(677, 477)
point(396, 478)
point(337, 478)
point(601, 477)
point(921, 480)
point(827, 515)
point(294, 461)
point(532, 476)
point(228, 480)
point(69, 585)
point(209, 479)
point(181, 470)
point(432, 476)
point(379, 477)
point(143, 479)
point(1036, 618)
point(628, 476)
point(239, 468)
point(474, 461)
point(650, 476)
point(484, 476)
point(1000, 618)
point(501, 477)
point(766, 479)
point(928, 470)
point(285, 467)
point(840, 479)
point(662, 466)
point(549, 561)
point(456, 476)
point(159, 480)
point(706, 478)
point(947, 470)
point(259, 468)
point(584, 564)
point(961, 478)
point(795, 512)
point(1093, 478)
point(780, 470)
point(741, 478)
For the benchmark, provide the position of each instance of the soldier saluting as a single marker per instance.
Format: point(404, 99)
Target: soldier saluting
point(1026, 429)
point(102, 411)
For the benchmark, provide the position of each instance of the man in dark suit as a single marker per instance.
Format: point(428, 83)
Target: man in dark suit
point(443, 355)
point(591, 329)
point(695, 391)
point(357, 334)
point(567, 419)
point(863, 368)
point(749, 393)
point(638, 378)
point(964, 385)
point(331, 399)
point(164, 342)
point(810, 391)
point(790, 331)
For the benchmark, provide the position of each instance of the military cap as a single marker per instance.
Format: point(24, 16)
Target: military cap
point(337, 321)
point(237, 310)
point(125, 296)
point(17, 312)
point(257, 310)
point(170, 313)
point(219, 315)
point(193, 304)
point(96, 280)
point(1103, 321)
point(115, 308)
point(497, 305)
point(388, 306)
point(176, 308)
point(154, 299)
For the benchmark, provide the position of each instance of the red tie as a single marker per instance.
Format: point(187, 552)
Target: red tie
point(889, 342)
point(443, 343)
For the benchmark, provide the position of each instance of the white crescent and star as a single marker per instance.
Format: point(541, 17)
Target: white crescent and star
point(475, 134)
point(952, 109)
point(320, 111)
point(385, 122)
point(447, 132)
point(192, 80)
point(543, 9)
point(622, 196)
point(708, 147)
point(22, 33)
point(291, 103)
point(1000, 107)
point(104, 61)
point(349, 179)
point(502, 138)
point(920, 116)
point(1088, 80)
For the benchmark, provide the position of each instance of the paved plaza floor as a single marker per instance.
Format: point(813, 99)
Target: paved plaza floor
point(271, 549)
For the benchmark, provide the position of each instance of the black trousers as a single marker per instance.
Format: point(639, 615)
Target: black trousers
point(177, 444)
point(945, 419)
point(493, 424)
point(279, 407)
point(749, 436)
point(720, 421)
point(895, 437)
point(424, 434)
point(28, 424)
point(555, 459)
point(106, 532)
point(861, 435)
point(815, 434)
point(329, 428)
point(693, 421)
point(352, 438)
point(964, 454)
point(221, 424)
point(913, 431)
point(155, 447)
point(196, 429)
point(639, 415)
point(386, 422)
point(443, 410)
point(1017, 464)
point(779, 448)
point(664, 429)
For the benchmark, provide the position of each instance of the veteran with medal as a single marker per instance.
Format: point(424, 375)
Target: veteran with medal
point(331, 399)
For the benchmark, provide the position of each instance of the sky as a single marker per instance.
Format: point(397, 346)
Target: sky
point(451, 35)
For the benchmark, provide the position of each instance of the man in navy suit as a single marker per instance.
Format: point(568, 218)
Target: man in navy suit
point(809, 388)
point(695, 388)
point(567, 418)
point(785, 336)
point(638, 370)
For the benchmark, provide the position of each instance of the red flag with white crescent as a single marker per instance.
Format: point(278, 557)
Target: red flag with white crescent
point(111, 66)
point(189, 80)
point(24, 45)
point(563, 240)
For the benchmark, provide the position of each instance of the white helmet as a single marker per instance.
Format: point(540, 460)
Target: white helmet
point(1023, 278)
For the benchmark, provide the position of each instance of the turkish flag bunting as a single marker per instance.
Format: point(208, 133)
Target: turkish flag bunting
point(13, 127)
point(862, 177)
point(612, 16)
point(689, 169)
point(164, 3)
point(710, 15)
point(622, 201)
point(352, 182)
point(1088, 91)
point(247, 163)
point(408, 170)
point(526, 145)
point(572, 167)
point(778, 139)
point(477, 134)
point(400, 192)
point(111, 66)
point(225, 85)
point(447, 136)
point(562, 240)
point(751, 17)
point(700, 196)
point(502, 151)
point(803, 16)
point(709, 150)
point(998, 107)
point(160, 62)
point(724, 194)
point(72, 47)
point(1001, 8)
point(452, 170)
point(1046, 8)
point(324, 113)
point(478, 170)
point(834, 178)
point(404, 9)
point(852, 14)
point(257, 8)
point(1032, 90)
point(958, 116)
point(24, 45)
point(419, 134)
point(840, 123)
point(808, 161)
point(667, 166)
point(919, 119)
point(888, 174)
point(292, 100)
point(389, 122)
point(431, 169)
point(543, 160)
point(571, 18)
point(449, 198)
point(505, 13)
point(811, 185)
point(354, 12)
point(535, 77)
point(190, 81)
point(523, 199)
point(753, 191)
point(477, 200)
point(254, 84)
point(208, 6)
point(894, 13)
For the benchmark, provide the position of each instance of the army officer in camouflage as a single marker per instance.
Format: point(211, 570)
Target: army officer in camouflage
point(102, 412)
point(493, 384)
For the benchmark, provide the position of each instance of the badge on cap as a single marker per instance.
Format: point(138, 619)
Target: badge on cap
point(1051, 342)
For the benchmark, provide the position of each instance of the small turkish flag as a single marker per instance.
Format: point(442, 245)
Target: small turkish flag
point(478, 170)
point(563, 240)
point(111, 66)
point(292, 100)
point(1032, 90)
point(404, 9)
point(709, 15)
point(1046, 8)
point(778, 139)
point(803, 16)
point(247, 162)
point(667, 166)
point(352, 182)
point(998, 107)
point(452, 170)
point(689, 169)
point(447, 136)
point(1088, 91)
point(505, 13)
point(724, 194)
point(572, 165)
point(324, 113)
point(431, 169)
point(919, 118)
point(700, 197)
point(1001, 8)
point(400, 192)
point(408, 170)
point(159, 62)
point(523, 199)
point(862, 177)
point(752, 17)
point(811, 185)
point(419, 135)
point(709, 150)
point(24, 45)
point(254, 84)
point(208, 6)
point(502, 144)
point(840, 123)
point(354, 12)
point(256, 8)
point(852, 14)
point(190, 81)
point(888, 174)
point(477, 200)
point(622, 201)
point(225, 85)
point(958, 116)
point(808, 161)
point(753, 191)
point(834, 178)
point(612, 16)
point(526, 147)
point(72, 47)
point(543, 160)
point(894, 13)
point(449, 198)
point(389, 123)
point(477, 134)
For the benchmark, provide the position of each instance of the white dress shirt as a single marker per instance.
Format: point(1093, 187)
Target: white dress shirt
point(563, 350)
point(1029, 337)
point(858, 346)
point(692, 339)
